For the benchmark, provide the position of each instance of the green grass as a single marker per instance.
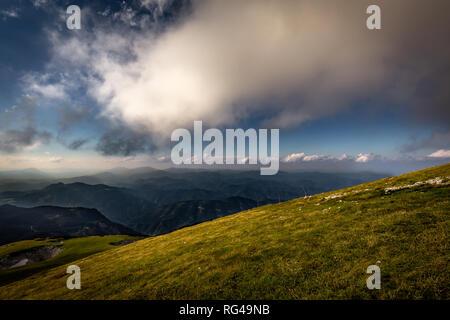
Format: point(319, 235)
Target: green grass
point(307, 248)
point(73, 249)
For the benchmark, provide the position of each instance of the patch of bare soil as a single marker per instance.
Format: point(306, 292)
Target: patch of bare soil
point(25, 257)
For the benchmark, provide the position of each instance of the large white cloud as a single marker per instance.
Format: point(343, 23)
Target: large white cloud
point(229, 59)
point(285, 61)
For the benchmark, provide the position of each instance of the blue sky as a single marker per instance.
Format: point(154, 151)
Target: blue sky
point(110, 94)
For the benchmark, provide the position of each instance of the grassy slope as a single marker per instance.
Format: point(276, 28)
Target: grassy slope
point(74, 249)
point(313, 248)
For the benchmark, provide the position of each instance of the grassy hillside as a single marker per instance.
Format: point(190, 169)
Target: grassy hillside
point(73, 249)
point(309, 248)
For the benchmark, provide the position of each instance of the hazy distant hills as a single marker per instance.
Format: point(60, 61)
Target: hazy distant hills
point(26, 174)
point(21, 180)
point(158, 201)
point(117, 204)
point(129, 207)
point(29, 223)
point(185, 213)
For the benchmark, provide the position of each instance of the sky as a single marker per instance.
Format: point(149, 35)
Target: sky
point(109, 95)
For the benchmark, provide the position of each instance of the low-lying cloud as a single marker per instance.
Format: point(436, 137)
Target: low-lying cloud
point(18, 140)
point(303, 157)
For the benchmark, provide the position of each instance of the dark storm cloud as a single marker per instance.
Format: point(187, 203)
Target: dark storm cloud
point(77, 144)
point(16, 140)
point(438, 140)
point(418, 51)
point(123, 142)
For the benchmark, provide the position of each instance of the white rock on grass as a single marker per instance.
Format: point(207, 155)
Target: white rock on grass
point(437, 180)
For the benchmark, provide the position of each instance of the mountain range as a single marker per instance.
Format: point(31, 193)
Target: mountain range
point(153, 201)
point(46, 221)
